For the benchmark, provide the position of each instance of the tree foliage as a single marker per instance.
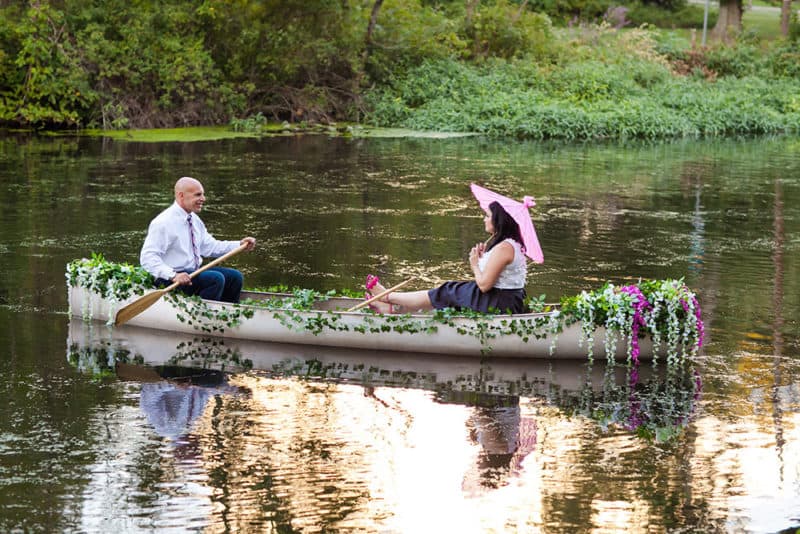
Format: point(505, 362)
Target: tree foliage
point(147, 63)
point(160, 63)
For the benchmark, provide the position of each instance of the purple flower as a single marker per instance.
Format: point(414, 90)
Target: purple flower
point(640, 306)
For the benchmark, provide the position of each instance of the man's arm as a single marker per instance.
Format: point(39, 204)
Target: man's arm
point(153, 251)
point(211, 247)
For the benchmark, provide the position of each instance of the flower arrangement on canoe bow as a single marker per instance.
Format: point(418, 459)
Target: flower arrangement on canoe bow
point(667, 310)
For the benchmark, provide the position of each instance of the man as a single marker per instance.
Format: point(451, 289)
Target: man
point(176, 242)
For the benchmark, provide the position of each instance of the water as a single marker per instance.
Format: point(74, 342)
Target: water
point(317, 440)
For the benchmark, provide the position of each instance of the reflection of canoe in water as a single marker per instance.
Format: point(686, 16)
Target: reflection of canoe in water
point(660, 401)
point(457, 378)
point(535, 335)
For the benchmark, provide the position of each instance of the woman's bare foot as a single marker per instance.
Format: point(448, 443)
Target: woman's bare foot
point(378, 288)
point(381, 307)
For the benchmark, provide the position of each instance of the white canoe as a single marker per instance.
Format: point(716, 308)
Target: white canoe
point(335, 327)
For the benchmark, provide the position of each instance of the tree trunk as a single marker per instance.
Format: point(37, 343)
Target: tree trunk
point(729, 23)
point(786, 13)
point(520, 11)
point(471, 5)
point(373, 19)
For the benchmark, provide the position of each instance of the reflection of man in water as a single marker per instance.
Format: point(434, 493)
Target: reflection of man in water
point(172, 408)
point(506, 439)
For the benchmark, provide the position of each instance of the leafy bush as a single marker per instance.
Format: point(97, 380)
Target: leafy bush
point(739, 60)
point(505, 30)
point(572, 11)
point(253, 123)
point(51, 86)
point(590, 82)
point(794, 26)
point(412, 37)
point(684, 16)
point(589, 100)
point(784, 61)
point(500, 69)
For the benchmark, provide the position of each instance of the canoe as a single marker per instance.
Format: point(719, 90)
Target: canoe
point(327, 323)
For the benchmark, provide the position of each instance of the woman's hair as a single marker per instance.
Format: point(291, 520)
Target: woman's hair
point(504, 226)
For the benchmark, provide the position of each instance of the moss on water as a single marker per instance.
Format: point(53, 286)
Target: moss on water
point(403, 132)
point(214, 133)
point(199, 133)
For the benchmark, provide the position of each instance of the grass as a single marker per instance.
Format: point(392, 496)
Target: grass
point(765, 25)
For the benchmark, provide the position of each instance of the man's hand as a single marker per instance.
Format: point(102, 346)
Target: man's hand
point(183, 279)
point(250, 242)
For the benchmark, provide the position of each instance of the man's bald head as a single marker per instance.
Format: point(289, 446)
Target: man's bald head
point(185, 182)
point(189, 194)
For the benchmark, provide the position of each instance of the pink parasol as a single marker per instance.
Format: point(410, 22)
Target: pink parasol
point(519, 212)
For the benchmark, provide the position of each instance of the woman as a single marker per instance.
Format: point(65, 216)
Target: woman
point(499, 268)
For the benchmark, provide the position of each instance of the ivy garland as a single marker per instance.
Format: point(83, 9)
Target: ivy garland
point(197, 313)
point(115, 282)
point(667, 310)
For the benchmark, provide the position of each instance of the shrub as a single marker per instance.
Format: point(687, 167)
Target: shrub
point(589, 100)
point(411, 36)
point(507, 31)
point(590, 82)
point(784, 61)
point(52, 88)
point(573, 11)
point(685, 16)
point(739, 60)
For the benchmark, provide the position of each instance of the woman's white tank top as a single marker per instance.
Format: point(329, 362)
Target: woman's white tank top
point(514, 274)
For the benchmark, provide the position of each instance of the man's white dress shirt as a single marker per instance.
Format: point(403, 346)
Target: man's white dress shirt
point(167, 249)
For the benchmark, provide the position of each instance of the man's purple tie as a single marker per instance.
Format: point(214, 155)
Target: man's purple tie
point(194, 245)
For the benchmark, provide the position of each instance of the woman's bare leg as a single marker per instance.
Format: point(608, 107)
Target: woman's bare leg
point(408, 301)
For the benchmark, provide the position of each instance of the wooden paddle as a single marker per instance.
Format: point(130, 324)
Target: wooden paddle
point(137, 373)
point(138, 306)
point(380, 295)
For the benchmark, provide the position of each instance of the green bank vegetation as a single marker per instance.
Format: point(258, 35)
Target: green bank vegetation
point(582, 69)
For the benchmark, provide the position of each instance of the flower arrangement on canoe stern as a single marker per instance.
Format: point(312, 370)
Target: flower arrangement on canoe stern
point(117, 282)
point(113, 281)
point(667, 310)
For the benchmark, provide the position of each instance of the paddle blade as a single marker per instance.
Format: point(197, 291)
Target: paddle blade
point(138, 306)
point(137, 373)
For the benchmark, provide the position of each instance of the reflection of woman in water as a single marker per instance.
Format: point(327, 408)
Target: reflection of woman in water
point(506, 439)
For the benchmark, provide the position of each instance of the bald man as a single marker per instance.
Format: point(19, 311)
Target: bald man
point(177, 241)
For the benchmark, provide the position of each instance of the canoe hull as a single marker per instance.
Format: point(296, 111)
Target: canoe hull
point(267, 326)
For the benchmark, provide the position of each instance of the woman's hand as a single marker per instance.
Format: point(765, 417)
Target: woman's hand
point(475, 254)
point(502, 255)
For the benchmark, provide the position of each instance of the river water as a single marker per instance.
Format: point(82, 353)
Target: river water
point(293, 439)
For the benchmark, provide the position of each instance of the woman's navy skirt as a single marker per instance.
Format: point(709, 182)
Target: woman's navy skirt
point(467, 295)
